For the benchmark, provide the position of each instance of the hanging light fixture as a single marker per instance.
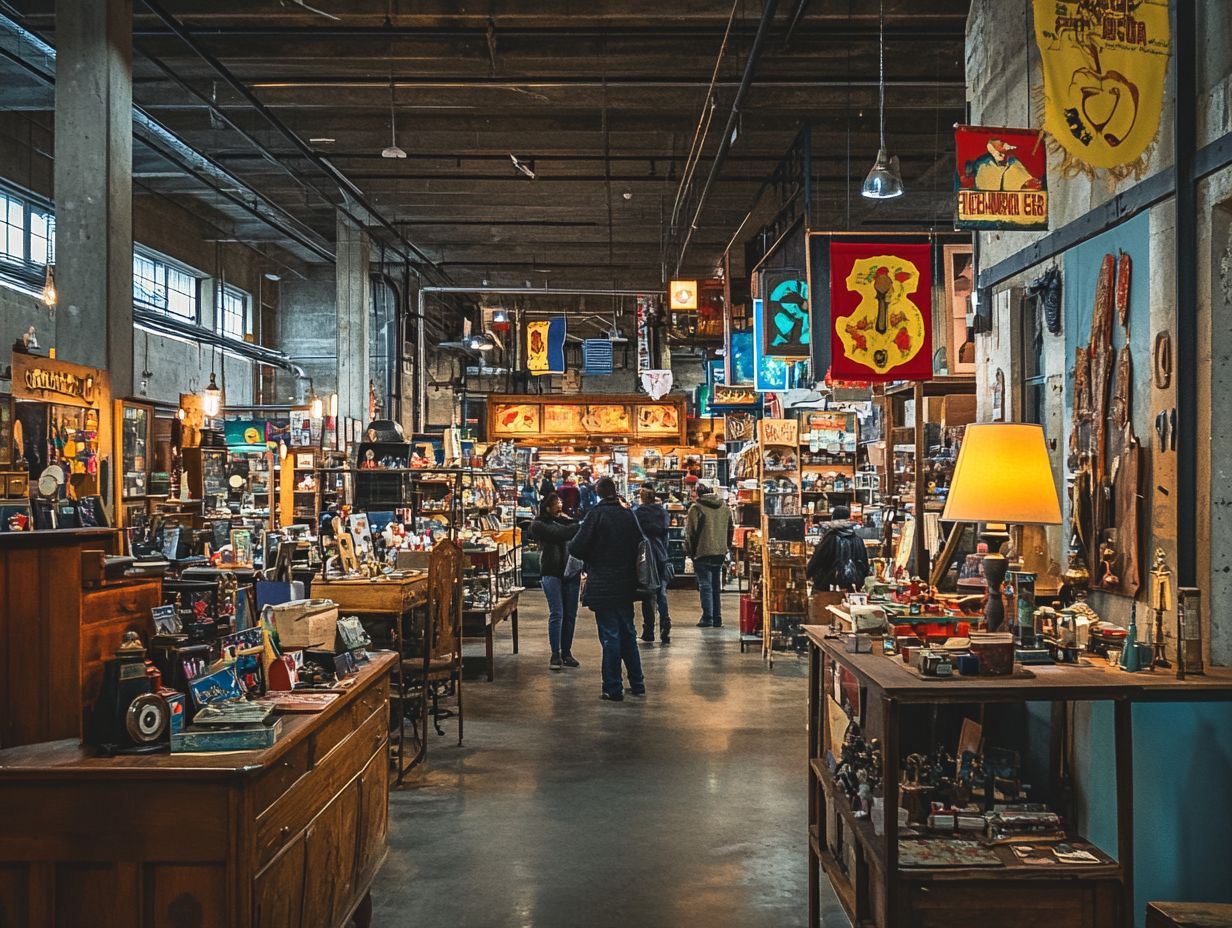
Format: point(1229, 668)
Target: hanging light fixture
point(49, 295)
point(212, 400)
point(316, 407)
point(393, 151)
point(885, 180)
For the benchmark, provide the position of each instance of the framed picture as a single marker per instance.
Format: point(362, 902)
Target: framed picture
point(241, 547)
point(959, 269)
point(304, 460)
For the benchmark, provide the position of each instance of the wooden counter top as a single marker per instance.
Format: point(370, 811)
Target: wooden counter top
point(1091, 680)
point(55, 536)
point(68, 759)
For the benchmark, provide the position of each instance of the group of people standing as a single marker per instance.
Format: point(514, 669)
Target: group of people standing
point(594, 559)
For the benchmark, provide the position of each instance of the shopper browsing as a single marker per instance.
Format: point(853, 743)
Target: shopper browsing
point(840, 558)
point(552, 529)
point(568, 493)
point(707, 539)
point(547, 484)
point(607, 543)
point(652, 517)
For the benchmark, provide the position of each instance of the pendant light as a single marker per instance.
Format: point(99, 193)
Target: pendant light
point(212, 399)
point(393, 151)
point(885, 180)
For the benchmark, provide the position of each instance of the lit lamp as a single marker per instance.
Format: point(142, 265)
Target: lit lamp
point(212, 398)
point(1003, 476)
point(682, 294)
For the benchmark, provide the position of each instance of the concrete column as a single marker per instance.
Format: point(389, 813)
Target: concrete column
point(93, 186)
point(354, 308)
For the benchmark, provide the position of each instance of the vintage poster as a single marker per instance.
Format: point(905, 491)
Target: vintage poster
point(770, 373)
point(1001, 179)
point(562, 419)
point(741, 357)
point(725, 396)
point(658, 420)
point(779, 432)
point(738, 427)
point(785, 328)
point(608, 419)
point(1104, 76)
point(514, 419)
point(545, 346)
point(880, 311)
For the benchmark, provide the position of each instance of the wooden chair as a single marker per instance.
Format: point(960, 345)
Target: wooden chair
point(437, 670)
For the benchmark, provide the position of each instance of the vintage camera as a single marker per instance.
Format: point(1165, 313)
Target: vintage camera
point(934, 664)
point(132, 714)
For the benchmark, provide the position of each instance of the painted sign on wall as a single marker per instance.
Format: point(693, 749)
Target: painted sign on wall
point(785, 329)
point(1001, 178)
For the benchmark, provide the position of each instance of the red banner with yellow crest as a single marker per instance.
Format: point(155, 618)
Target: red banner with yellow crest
point(881, 311)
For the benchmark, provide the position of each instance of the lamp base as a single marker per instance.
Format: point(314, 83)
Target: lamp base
point(995, 566)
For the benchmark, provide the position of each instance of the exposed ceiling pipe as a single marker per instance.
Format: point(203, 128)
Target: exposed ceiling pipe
point(616, 83)
point(725, 142)
point(162, 140)
point(345, 185)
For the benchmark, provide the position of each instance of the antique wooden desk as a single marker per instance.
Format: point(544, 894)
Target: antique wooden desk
point(864, 867)
point(288, 837)
point(481, 623)
point(383, 596)
point(55, 632)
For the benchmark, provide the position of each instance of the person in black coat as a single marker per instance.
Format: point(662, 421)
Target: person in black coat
point(840, 558)
point(546, 485)
point(607, 543)
point(552, 529)
point(653, 519)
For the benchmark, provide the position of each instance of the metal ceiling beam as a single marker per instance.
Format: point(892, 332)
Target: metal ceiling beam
point(613, 83)
point(347, 187)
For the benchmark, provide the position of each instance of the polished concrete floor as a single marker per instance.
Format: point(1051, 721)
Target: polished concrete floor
point(685, 808)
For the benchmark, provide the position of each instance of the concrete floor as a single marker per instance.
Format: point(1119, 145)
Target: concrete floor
point(684, 808)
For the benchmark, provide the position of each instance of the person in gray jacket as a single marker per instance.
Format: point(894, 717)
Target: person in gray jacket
point(707, 539)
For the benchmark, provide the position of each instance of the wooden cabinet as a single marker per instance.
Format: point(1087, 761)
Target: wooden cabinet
point(289, 837)
point(55, 632)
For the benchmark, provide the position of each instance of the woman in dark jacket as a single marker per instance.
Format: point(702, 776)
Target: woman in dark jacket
point(553, 529)
point(607, 543)
point(653, 519)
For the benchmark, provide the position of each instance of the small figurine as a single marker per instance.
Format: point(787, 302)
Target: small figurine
point(1161, 601)
point(1107, 557)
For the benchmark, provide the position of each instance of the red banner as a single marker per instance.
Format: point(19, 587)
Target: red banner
point(881, 312)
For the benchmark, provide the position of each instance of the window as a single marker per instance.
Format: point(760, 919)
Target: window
point(26, 231)
point(164, 287)
point(233, 313)
point(1032, 344)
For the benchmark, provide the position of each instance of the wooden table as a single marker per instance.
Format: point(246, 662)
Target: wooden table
point(878, 890)
point(290, 835)
point(481, 623)
point(1188, 915)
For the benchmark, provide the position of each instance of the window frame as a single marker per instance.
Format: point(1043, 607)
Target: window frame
point(224, 291)
point(25, 268)
point(163, 267)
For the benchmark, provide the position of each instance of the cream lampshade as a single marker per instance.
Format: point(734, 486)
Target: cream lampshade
point(1003, 475)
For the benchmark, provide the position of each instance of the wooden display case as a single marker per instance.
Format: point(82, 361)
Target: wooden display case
point(900, 707)
point(784, 587)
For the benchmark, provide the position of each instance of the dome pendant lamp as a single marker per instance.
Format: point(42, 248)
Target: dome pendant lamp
point(885, 180)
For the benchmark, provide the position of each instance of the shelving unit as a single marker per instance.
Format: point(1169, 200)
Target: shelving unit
point(906, 449)
point(784, 586)
point(828, 444)
point(905, 710)
point(676, 517)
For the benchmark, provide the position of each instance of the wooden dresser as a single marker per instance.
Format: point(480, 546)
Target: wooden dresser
point(55, 632)
point(289, 837)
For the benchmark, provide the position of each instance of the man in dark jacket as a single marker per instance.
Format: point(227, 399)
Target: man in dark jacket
point(707, 539)
point(546, 485)
point(652, 517)
point(840, 558)
point(607, 542)
point(552, 529)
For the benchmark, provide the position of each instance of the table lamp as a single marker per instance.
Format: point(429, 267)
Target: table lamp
point(1003, 476)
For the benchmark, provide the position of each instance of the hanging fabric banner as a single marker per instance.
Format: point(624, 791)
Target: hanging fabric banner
point(1104, 71)
point(545, 346)
point(880, 311)
point(1001, 181)
point(786, 324)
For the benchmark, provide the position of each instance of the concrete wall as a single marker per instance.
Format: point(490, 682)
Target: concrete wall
point(1183, 849)
point(306, 330)
point(174, 228)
